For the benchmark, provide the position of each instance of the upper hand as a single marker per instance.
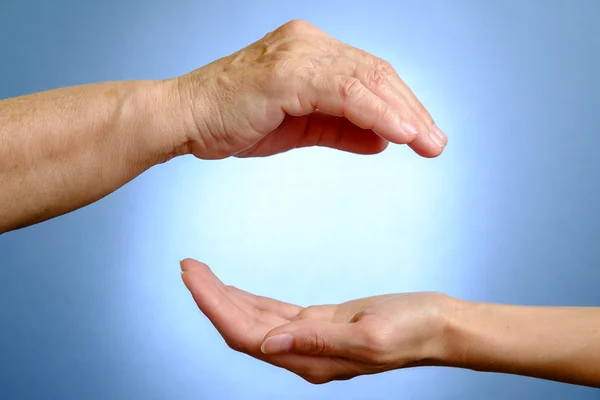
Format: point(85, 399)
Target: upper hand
point(324, 343)
point(299, 87)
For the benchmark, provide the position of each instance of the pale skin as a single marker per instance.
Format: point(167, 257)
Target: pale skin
point(296, 87)
point(376, 334)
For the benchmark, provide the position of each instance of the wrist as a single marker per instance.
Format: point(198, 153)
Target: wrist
point(465, 338)
point(154, 111)
point(438, 350)
point(189, 92)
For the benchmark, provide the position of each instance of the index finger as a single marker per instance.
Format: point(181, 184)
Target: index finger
point(209, 294)
point(429, 131)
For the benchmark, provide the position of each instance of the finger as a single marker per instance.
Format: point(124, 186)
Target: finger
point(316, 337)
point(317, 129)
point(347, 96)
point(382, 80)
point(428, 147)
point(339, 133)
point(280, 308)
point(366, 58)
point(208, 293)
point(435, 133)
point(207, 280)
point(191, 265)
point(261, 316)
point(430, 140)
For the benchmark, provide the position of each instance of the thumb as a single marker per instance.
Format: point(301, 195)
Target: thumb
point(314, 337)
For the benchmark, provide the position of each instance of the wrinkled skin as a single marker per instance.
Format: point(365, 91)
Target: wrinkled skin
point(299, 87)
point(330, 342)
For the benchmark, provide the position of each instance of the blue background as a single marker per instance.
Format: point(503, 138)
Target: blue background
point(92, 305)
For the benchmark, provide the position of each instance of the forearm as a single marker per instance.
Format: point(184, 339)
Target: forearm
point(556, 343)
point(66, 148)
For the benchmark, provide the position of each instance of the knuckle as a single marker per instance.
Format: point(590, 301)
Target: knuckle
point(295, 27)
point(292, 46)
point(316, 343)
point(351, 89)
point(375, 77)
point(378, 343)
point(384, 66)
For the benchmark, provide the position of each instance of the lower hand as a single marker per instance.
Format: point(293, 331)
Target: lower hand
point(329, 342)
point(299, 87)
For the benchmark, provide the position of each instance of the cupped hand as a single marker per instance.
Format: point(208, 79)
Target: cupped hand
point(329, 342)
point(299, 87)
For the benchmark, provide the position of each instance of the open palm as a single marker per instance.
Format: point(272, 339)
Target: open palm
point(331, 342)
point(244, 319)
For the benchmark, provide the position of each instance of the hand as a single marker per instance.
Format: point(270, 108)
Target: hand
point(300, 87)
point(324, 343)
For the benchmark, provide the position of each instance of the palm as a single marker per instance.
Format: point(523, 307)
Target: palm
point(244, 319)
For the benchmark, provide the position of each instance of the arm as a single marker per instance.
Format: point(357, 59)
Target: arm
point(557, 343)
point(382, 333)
point(64, 149)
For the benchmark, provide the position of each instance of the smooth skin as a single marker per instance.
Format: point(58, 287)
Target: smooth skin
point(296, 87)
point(376, 334)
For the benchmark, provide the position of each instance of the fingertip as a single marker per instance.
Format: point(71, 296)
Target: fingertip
point(438, 137)
point(431, 153)
point(400, 132)
point(278, 344)
point(197, 276)
point(424, 147)
point(191, 265)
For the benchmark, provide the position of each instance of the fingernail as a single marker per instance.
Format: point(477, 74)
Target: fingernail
point(277, 344)
point(182, 270)
point(409, 128)
point(437, 136)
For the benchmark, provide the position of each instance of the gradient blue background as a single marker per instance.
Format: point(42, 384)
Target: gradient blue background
point(92, 305)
